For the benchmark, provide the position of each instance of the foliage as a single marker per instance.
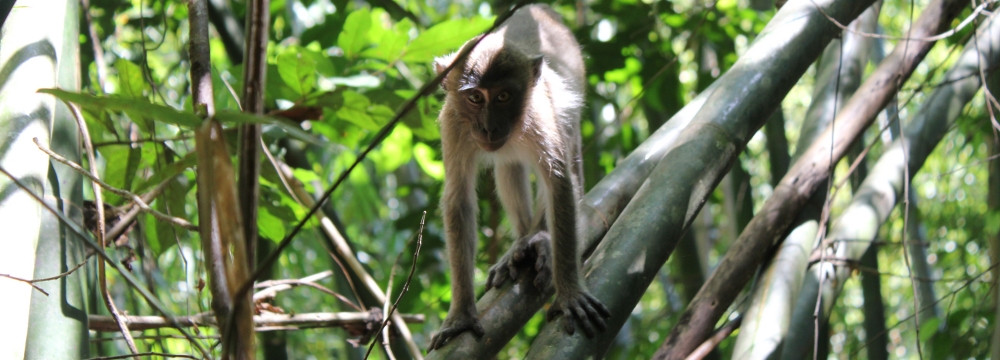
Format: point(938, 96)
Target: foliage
point(353, 64)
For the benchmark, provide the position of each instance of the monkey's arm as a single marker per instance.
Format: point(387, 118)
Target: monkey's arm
point(572, 299)
point(514, 190)
point(459, 211)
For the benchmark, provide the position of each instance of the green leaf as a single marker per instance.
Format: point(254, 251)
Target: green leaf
point(396, 150)
point(928, 328)
point(381, 114)
point(306, 177)
point(354, 37)
point(444, 37)
point(355, 110)
point(425, 155)
point(134, 159)
point(389, 44)
point(170, 171)
point(153, 237)
point(131, 83)
point(297, 70)
point(116, 158)
point(270, 226)
point(324, 66)
point(357, 177)
point(230, 116)
point(160, 113)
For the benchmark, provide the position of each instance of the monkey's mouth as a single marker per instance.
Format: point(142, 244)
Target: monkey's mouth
point(491, 143)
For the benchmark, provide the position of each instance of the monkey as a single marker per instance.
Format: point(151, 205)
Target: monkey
point(514, 103)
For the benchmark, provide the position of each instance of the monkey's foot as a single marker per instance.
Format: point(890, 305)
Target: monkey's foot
point(454, 326)
point(536, 245)
point(579, 308)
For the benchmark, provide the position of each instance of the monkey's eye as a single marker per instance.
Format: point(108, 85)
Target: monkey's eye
point(503, 96)
point(476, 97)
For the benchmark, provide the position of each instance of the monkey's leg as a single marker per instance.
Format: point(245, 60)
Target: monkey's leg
point(572, 298)
point(514, 190)
point(459, 211)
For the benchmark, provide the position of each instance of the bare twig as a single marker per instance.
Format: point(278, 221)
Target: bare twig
point(965, 22)
point(406, 285)
point(60, 276)
point(29, 282)
point(96, 185)
point(150, 337)
point(166, 355)
point(712, 342)
point(105, 323)
point(140, 141)
point(274, 286)
point(102, 67)
point(126, 219)
point(120, 192)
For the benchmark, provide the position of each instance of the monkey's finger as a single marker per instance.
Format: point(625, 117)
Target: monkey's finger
point(512, 270)
point(581, 314)
point(541, 261)
point(542, 280)
point(568, 325)
point(477, 329)
point(489, 280)
point(599, 306)
point(594, 317)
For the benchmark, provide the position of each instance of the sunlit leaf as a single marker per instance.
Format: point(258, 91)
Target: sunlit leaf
point(390, 43)
point(160, 113)
point(444, 38)
point(131, 82)
point(354, 37)
point(425, 155)
point(270, 226)
point(355, 110)
point(395, 150)
point(297, 70)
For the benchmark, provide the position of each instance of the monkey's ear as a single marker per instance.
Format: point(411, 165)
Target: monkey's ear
point(536, 67)
point(442, 63)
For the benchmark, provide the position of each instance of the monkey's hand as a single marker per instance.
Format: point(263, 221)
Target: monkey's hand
point(521, 251)
point(579, 308)
point(454, 325)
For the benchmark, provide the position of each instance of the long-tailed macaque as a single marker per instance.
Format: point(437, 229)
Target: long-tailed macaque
point(515, 103)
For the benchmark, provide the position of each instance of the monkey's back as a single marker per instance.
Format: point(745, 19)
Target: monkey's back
point(539, 30)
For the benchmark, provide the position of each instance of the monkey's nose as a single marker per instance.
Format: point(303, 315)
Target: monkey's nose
point(491, 127)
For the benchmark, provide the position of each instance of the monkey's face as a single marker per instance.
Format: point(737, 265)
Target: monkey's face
point(493, 101)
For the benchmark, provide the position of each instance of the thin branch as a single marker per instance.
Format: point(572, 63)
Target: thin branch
point(965, 22)
point(60, 276)
point(274, 286)
point(711, 343)
point(29, 282)
point(126, 219)
point(103, 323)
point(151, 337)
point(166, 355)
point(120, 192)
point(406, 285)
point(140, 141)
point(102, 67)
point(102, 278)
